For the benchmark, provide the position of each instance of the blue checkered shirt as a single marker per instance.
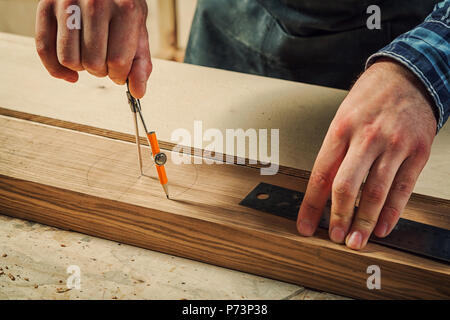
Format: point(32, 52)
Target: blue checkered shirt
point(425, 51)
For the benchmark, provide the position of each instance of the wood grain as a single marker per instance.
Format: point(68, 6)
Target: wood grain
point(417, 201)
point(90, 184)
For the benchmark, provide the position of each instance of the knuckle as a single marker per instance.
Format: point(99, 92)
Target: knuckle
point(396, 142)
point(119, 80)
point(404, 186)
point(127, 6)
point(93, 6)
point(311, 207)
point(118, 63)
point(391, 213)
point(42, 47)
point(67, 3)
point(365, 222)
point(69, 62)
point(343, 190)
point(89, 4)
point(95, 66)
point(149, 69)
point(374, 194)
point(421, 149)
point(320, 180)
point(370, 136)
point(340, 128)
point(54, 72)
point(66, 60)
point(337, 215)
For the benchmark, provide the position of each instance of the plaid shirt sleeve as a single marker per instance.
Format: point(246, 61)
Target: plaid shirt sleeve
point(425, 51)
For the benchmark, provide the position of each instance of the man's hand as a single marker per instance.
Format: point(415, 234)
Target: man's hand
point(383, 130)
point(113, 41)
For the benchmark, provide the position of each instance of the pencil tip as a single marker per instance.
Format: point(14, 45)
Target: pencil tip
point(166, 190)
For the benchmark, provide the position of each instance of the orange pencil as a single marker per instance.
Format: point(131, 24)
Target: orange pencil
point(159, 157)
point(160, 160)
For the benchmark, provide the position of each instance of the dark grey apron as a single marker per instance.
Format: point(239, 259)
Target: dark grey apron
point(321, 42)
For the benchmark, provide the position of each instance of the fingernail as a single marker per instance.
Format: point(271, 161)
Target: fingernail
point(355, 240)
point(305, 228)
point(382, 230)
point(337, 235)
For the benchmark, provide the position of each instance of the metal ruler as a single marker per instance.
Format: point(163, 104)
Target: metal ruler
point(410, 236)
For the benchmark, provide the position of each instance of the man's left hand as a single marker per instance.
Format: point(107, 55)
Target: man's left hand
point(383, 130)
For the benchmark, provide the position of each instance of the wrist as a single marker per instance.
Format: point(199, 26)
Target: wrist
point(390, 65)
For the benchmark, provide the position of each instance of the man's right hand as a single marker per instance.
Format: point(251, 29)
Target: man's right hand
point(112, 41)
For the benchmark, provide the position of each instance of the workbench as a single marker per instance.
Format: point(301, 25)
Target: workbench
point(37, 256)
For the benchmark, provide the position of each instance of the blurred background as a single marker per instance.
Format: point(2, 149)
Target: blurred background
point(168, 23)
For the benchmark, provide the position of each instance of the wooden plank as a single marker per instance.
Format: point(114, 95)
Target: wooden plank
point(90, 184)
point(418, 201)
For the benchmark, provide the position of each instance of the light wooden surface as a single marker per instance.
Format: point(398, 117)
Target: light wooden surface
point(90, 184)
point(180, 93)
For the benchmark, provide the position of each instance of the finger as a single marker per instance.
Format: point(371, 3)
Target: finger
point(372, 199)
point(68, 40)
point(94, 42)
point(319, 185)
point(124, 32)
point(46, 33)
point(141, 67)
point(401, 189)
point(346, 185)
